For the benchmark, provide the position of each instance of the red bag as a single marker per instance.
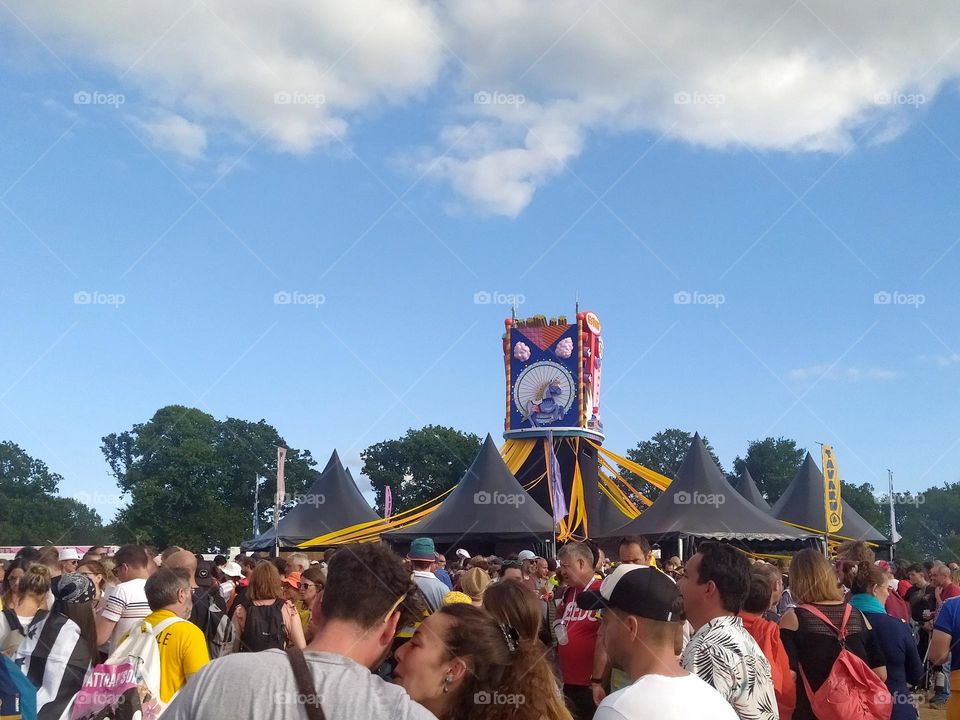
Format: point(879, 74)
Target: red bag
point(852, 691)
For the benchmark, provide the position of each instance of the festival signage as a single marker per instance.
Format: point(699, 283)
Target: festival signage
point(833, 508)
point(553, 373)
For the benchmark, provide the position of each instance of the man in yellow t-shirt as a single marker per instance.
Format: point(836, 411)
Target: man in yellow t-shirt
point(183, 648)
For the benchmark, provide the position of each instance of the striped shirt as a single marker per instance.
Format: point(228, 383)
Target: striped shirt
point(126, 606)
point(55, 660)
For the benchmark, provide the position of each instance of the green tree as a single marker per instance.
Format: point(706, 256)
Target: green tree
point(191, 478)
point(31, 511)
point(420, 465)
point(772, 463)
point(663, 453)
point(930, 523)
point(862, 499)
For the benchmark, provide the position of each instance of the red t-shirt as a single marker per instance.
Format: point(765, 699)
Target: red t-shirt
point(949, 591)
point(576, 657)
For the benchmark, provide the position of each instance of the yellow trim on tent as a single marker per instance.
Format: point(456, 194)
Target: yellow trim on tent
point(614, 494)
point(651, 476)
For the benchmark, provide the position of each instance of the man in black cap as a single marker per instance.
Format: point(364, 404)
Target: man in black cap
point(642, 615)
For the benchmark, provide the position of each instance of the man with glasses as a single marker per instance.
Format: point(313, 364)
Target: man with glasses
point(69, 560)
point(127, 604)
point(441, 571)
point(576, 633)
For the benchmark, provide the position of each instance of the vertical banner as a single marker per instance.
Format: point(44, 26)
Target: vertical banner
point(895, 537)
point(256, 506)
point(387, 502)
point(832, 507)
point(281, 486)
point(559, 501)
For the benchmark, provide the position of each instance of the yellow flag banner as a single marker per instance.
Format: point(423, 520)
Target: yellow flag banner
point(833, 508)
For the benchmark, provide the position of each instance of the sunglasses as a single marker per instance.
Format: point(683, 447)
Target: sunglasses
point(308, 585)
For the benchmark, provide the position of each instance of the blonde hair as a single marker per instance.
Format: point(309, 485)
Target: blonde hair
point(36, 581)
point(812, 578)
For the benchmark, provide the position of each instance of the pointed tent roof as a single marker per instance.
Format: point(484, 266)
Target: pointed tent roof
point(333, 502)
point(487, 501)
point(608, 518)
point(802, 504)
point(701, 502)
point(748, 488)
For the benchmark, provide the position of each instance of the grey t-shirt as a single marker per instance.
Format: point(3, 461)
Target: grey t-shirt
point(432, 588)
point(259, 685)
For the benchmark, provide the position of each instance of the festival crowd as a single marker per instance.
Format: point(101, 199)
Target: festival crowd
point(367, 634)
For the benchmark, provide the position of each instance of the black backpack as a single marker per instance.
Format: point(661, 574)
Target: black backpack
point(210, 615)
point(263, 627)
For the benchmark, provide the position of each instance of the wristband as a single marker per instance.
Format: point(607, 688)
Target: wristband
point(596, 681)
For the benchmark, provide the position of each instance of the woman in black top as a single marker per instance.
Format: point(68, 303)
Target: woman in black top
point(810, 643)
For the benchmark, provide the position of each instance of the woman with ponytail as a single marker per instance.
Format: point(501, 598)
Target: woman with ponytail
point(31, 592)
point(869, 590)
point(516, 607)
point(61, 645)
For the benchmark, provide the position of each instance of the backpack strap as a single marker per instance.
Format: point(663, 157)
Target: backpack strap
point(12, 620)
point(166, 623)
point(308, 691)
point(840, 631)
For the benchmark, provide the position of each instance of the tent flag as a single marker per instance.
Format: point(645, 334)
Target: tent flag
point(387, 502)
point(895, 537)
point(281, 485)
point(556, 483)
point(256, 506)
point(832, 507)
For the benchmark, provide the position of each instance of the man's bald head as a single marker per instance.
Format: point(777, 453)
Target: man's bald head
point(186, 560)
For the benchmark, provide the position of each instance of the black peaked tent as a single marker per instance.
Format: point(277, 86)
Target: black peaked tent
point(332, 503)
point(802, 504)
point(748, 488)
point(487, 505)
point(608, 518)
point(700, 502)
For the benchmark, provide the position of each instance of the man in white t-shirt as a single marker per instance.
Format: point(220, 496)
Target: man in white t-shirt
point(642, 614)
point(127, 604)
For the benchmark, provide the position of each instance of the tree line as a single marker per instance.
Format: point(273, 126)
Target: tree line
point(190, 479)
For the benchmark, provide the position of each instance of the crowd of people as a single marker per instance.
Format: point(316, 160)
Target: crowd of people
point(361, 632)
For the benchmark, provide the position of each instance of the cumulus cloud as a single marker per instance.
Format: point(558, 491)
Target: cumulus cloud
point(524, 84)
point(290, 72)
point(817, 373)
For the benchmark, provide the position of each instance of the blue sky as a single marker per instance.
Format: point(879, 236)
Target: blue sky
point(196, 218)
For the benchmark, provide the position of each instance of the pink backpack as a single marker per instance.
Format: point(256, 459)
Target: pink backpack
point(852, 691)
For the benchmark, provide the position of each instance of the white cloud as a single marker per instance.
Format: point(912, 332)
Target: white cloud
point(291, 72)
point(174, 133)
point(817, 373)
point(942, 361)
point(773, 74)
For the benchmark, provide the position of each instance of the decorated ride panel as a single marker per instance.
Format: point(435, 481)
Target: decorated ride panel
point(553, 376)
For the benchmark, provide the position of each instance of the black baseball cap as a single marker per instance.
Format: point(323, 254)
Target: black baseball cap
point(203, 578)
point(638, 590)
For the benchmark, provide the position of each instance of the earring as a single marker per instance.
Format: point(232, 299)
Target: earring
point(446, 683)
